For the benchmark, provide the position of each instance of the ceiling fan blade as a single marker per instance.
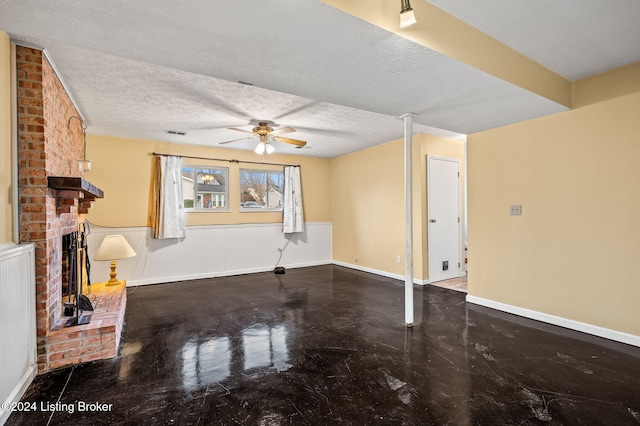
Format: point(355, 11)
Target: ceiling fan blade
point(282, 131)
point(290, 141)
point(239, 130)
point(235, 140)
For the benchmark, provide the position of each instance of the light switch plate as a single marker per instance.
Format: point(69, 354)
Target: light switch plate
point(515, 209)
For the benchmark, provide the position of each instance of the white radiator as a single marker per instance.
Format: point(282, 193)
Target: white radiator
point(18, 351)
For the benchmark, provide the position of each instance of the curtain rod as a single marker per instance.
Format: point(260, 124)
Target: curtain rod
point(224, 159)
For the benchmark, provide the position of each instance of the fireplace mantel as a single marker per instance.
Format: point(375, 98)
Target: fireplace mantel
point(75, 184)
point(71, 189)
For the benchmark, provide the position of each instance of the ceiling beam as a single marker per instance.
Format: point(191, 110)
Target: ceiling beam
point(441, 32)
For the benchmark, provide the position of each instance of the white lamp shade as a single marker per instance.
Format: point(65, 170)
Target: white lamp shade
point(114, 247)
point(270, 148)
point(260, 148)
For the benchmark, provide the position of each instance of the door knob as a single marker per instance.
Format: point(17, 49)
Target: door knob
point(432, 220)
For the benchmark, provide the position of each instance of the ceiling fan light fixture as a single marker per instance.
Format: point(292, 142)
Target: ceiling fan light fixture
point(270, 149)
point(407, 17)
point(266, 134)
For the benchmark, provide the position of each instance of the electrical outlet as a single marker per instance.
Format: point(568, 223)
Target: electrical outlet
point(515, 209)
point(399, 259)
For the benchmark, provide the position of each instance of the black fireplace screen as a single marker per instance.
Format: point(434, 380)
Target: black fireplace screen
point(70, 265)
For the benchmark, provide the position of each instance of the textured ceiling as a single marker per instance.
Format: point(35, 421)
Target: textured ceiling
point(139, 68)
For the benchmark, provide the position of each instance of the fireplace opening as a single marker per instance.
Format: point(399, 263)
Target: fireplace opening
point(76, 305)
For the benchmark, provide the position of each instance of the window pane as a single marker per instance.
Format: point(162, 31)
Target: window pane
point(275, 182)
point(204, 187)
point(260, 189)
point(253, 188)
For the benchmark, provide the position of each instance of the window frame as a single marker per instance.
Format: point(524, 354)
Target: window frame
point(199, 167)
point(243, 209)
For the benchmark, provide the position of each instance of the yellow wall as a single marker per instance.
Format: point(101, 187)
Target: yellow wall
point(607, 85)
point(122, 169)
point(6, 199)
point(574, 252)
point(368, 203)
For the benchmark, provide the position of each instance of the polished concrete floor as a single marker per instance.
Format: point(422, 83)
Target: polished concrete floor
point(327, 346)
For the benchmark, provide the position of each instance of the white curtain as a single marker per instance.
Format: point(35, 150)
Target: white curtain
point(170, 203)
point(292, 218)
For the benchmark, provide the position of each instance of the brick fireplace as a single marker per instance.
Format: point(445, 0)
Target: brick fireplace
point(50, 145)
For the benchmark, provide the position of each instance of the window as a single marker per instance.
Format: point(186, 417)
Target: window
point(205, 188)
point(261, 190)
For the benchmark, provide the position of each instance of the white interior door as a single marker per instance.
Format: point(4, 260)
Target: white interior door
point(444, 222)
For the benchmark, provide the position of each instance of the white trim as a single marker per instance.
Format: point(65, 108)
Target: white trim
point(399, 277)
point(8, 250)
point(465, 212)
point(15, 204)
point(461, 238)
point(595, 330)
point(64, 85)
point(164, 280)
point(258, 210)
point(19, 390)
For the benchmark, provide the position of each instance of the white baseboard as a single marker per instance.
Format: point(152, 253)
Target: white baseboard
point(378, 272)
point(18, 391)
point(163, 280)
point(594, 330)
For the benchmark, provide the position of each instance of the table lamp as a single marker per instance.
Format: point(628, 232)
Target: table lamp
point(114, 247)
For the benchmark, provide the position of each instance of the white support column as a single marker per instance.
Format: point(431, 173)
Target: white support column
point(408, 206)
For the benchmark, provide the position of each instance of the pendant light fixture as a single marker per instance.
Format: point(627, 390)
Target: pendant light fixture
point(407, 17)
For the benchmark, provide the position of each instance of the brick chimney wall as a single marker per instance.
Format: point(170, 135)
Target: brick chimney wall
point(48, 145)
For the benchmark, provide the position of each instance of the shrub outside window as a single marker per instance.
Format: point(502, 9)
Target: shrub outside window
point(261, 190)
point(205, 188)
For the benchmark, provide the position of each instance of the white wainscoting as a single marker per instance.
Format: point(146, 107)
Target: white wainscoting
point(18, 350)
point(212, 251)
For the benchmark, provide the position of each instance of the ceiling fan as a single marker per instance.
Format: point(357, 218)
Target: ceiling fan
point(266, 134)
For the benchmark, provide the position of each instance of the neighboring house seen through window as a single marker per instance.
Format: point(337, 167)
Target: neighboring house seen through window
point(205, 188)
point(261, 189)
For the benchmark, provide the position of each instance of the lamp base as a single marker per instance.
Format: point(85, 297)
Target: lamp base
point(112, 275)
point(110, 283)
